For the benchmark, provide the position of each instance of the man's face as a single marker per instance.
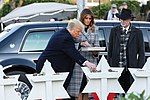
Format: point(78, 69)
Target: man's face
point(125, 6)
point(76, 32)
point(125, 23)
point(113, 9)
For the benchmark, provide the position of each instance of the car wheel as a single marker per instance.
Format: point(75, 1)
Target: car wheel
point(18, 69)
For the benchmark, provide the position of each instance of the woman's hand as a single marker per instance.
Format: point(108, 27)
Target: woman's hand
point(85, 44)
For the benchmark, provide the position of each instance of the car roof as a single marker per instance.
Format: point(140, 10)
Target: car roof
point(117, 21)
point(106, 22)
point(8, 30)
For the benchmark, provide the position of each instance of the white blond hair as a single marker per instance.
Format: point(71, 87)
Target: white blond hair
point(74, 23)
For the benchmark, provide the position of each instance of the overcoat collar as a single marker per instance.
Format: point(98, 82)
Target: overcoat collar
point(131, 30)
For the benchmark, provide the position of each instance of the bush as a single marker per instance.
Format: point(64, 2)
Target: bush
point(101, 9)
point(136, 96)
point(5, 10)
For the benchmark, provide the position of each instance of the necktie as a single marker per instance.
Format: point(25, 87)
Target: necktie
point(113, 15)
point(125, 31)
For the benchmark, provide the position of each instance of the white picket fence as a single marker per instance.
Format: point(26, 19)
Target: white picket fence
point(49, 85)
point(105, 81)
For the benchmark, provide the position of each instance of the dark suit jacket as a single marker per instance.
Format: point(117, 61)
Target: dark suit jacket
point(62, 54)
point(135, 48)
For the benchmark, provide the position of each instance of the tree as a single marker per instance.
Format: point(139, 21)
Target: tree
point(101, 9)
point(5, 10)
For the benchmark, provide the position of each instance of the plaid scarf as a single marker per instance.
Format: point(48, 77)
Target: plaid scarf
point(124, 37)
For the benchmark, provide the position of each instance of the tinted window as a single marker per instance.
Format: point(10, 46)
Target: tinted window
point(107, 32)
point(146, 37)
point(147, 47)
point(37, 40)
point(101, 38)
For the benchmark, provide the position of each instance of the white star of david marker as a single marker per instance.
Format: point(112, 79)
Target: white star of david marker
point(48, 86)
point(107, 81)
point(102, 82)
point(142, 80)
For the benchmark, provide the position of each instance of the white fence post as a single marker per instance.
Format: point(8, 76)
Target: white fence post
point(7, 84)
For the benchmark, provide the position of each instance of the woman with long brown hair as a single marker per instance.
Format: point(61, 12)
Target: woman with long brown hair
point(88, 38)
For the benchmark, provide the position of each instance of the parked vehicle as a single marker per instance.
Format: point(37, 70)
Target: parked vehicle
point(22, 43)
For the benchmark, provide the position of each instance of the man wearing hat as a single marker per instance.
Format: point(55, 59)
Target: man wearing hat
point(126, 44)
point(125, 6)
point(111, 14)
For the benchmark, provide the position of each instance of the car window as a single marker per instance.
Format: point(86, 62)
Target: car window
point(107, 33)
point(147, 47)
point(36, 40)
point(101, 38)
point(146, 37)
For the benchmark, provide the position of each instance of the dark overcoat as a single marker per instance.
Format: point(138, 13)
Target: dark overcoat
point(135, 50)
point(62, 54)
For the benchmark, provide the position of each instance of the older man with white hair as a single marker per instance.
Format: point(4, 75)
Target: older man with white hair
point(62, 54)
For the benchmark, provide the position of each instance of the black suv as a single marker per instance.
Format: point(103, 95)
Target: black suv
point(22, 43)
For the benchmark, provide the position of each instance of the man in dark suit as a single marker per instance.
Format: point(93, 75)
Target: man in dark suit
point(126, 48)
point(61, 51)
point(126, 44)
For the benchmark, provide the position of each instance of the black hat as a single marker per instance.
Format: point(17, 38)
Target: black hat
point(125, 14)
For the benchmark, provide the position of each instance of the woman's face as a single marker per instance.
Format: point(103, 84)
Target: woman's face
point(87, 20)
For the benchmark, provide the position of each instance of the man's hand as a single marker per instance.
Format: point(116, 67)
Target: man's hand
point(91, 66)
